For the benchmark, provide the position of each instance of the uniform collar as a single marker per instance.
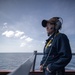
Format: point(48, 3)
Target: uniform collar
point(51, 36)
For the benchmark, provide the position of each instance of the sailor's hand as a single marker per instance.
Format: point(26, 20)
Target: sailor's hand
point(48, 70)
point(41, 67)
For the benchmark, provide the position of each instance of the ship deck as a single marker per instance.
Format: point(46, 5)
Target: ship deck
point(37, 72)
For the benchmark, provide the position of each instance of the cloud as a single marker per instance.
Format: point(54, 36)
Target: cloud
point(23, 44)
point(8, 33)
point(13, 34)
point(5, 23)
point(18, 33)
point(28, 39)
point(23, 37)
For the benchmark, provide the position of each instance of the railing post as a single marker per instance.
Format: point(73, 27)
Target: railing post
point(35, 53)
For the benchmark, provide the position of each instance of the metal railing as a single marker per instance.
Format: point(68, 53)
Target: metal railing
point(36, 53)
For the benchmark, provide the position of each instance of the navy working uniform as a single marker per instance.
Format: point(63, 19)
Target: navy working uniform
point(57, 54)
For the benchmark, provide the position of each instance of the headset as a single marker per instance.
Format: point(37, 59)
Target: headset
point(58, 23)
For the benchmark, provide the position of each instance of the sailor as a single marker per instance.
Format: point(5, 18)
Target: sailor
point(57, 50)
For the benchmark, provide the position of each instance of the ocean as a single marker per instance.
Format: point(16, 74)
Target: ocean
point(10, 61)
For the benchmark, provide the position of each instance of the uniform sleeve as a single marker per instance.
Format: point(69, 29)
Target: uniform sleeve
point(64, 52)
point(43, 58)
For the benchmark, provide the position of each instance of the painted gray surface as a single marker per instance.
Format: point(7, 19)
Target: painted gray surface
point(24, 69)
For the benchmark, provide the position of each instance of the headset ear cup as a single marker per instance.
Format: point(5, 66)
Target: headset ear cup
point(58, 25)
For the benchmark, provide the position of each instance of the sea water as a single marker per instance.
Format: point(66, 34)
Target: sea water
point(10, 61)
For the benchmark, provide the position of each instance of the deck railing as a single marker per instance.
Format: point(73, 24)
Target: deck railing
point(36, 53)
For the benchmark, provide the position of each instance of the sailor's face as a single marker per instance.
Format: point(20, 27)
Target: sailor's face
point(49, 28)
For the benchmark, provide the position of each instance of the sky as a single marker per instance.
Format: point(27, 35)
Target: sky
point(20, 23)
